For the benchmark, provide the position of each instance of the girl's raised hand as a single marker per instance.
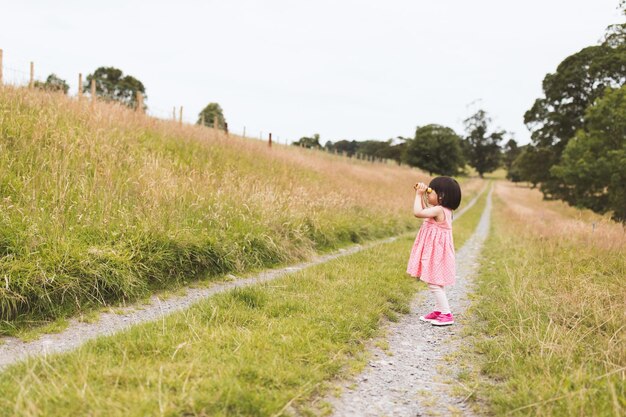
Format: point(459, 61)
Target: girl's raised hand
point(420, 187)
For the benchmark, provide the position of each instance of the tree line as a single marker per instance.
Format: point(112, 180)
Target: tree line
point(434, 148)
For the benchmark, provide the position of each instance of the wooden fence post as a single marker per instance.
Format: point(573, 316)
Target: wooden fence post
point(174, 113)
point(80, 86)
point(270, 140)
point(180, 120)
point(244, 131)
point(93, 92)
point(32, 75)
point(0, 67)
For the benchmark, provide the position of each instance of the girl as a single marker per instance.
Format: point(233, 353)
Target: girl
point(432, 255)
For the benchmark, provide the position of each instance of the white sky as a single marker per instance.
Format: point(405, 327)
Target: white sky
point(345, 69)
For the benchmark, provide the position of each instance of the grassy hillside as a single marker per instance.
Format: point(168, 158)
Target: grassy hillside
point(101, 204)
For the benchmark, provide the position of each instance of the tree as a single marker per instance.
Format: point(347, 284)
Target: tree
point(510, 153)
point(309, 142)
point(53, 83)
point(527, 166)
point(376, 148)
point(341, 146)
point(112, 84)
point(482, 149)
point(514, 172)
point(436, 149)
point(209, 114)
point(579, 80)
point(593, 166)
point(394, 151)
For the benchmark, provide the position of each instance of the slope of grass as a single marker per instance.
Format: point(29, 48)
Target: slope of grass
point(254, 351)
point(100, 204)
point(549, 314)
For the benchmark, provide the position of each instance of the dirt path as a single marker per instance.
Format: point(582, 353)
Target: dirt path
point(13, 350)
point(412, 377)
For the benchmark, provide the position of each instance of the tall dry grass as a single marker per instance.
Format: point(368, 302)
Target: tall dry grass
point(99, 204)
point(550, 310)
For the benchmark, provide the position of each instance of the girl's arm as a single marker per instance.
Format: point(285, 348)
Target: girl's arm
point(420, 210)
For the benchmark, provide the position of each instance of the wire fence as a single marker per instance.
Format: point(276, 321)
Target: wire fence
point(23, 74)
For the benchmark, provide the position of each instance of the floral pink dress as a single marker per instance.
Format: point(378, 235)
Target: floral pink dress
point(432, 255)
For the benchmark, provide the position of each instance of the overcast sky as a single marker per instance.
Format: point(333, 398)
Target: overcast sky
point(346, 69)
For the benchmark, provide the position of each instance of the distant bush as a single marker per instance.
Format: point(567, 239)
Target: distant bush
point(53, 83)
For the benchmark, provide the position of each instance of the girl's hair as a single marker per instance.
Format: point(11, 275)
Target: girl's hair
point(448, 192)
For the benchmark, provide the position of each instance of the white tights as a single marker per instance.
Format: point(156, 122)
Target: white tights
point(441, 300)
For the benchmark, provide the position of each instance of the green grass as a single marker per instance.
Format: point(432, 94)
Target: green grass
point(254, 351)
point(548, 322)
point(248, 352)
point(464, 227)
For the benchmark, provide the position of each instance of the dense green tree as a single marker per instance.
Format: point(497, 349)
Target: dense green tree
point(482, 149)
point(510, 152)
point(436, 149)
point(376, 148)
point(309, 142)
point(210, 113)
point(554, 119)
point(394, 151)
point(514, 172)
point(348, 146)
point(112, 84)
point(53, 83)
point(593, 166)
point(527, 166)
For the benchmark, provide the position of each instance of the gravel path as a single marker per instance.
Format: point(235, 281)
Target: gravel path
point(411, 377)
point(13, 350)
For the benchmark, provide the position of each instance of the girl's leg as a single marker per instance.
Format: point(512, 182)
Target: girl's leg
point(441, 300)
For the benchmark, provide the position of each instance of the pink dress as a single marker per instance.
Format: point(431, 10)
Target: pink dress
point(432, 255)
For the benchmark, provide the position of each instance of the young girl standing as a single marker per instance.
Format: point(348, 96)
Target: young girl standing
point(432, 255)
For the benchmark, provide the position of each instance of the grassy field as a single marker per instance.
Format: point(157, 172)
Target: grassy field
point(101, 204)
point(548, 323)
point(261, 351)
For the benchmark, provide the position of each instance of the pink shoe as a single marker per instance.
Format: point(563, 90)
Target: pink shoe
point(443, 320)
point(430, 317)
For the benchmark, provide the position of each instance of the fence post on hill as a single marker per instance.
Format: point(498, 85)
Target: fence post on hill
point(269, 143)
point(0, 67)
point(180, 118)
point(31, 83)
point(174, 113)
point(244, 131)
point(93, 92)
point(80, 85)
point(226, 128)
